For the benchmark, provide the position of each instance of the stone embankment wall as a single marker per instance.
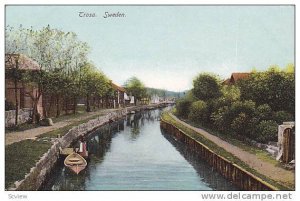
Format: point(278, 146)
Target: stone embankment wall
point(234, 173)
point(23, 116)
point(39, 173)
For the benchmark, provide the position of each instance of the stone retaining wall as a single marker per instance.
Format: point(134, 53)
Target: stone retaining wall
point(23, 116)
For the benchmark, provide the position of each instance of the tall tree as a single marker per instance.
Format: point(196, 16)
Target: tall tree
point(135, 88)
point(206, 86)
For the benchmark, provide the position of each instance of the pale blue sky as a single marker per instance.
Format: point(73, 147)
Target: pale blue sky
point(167, 46)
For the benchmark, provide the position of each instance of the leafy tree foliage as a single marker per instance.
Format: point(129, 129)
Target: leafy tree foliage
point(273, 87)
point(252, 108)
point(199, 112)
point(65, 73)
point(135, 88)
point(206, 87)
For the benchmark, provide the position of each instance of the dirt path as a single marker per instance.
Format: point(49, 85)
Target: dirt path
point(276, 173)
point(32, 133)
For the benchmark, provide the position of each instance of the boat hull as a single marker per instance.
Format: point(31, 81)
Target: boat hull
point(75, 163)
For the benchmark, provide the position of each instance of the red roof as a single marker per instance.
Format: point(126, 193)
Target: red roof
point(25, 63)
point(238, 76)
point(119, 88)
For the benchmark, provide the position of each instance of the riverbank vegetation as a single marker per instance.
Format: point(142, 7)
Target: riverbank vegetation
point(252, 108)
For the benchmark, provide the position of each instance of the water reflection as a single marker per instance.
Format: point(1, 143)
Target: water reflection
point(211, 177)
point(132, 154)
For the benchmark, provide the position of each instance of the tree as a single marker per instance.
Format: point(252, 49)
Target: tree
point(60, 56)
point(135, 88)
point(206, 87)
point(199, 112)
point(94, 83)
point(273, 87)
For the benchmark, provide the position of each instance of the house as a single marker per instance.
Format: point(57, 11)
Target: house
point(119, 94)
point(25, 92)
point(235, 77)
point(154, 99)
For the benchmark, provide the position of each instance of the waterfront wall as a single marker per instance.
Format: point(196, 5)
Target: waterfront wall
point(234, 173)
point(38, 174)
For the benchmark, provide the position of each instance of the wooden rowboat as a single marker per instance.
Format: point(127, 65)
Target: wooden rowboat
point(75, 162)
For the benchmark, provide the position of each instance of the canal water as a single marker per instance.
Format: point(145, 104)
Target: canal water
point(135, 154)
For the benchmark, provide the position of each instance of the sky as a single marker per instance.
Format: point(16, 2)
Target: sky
point(168, 46)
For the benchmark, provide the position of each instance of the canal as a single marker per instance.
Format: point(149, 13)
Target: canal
point(135, 154)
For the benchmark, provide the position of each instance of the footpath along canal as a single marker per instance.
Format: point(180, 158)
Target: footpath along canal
point(135, 154)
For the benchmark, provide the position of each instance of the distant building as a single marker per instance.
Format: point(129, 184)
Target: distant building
point(24, 91)
point(155, 99)
point(120, 95)
point(235, 77)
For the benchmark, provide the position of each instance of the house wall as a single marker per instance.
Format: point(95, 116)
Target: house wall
point(24, 100)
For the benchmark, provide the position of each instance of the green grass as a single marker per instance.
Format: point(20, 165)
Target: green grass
point(20, 157)
point(222, 152)
point(79, 112)
point(21, 127)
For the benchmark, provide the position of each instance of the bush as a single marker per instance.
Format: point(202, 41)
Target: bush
point(206, 87)
point(199, 112)
point(266, 131)
point(264, 112)
point(218, 118)
point(243, 125)
point(273, 87)
point(183, 107)
point(282, 116)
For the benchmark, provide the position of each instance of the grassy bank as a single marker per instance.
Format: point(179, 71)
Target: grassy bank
point(222, 152)
point(20, 157)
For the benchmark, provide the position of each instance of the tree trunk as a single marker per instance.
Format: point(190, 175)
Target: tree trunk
point(94, 103)
point(35, 116)
point(57, 106)
point(75, 105)
point(44, 108)
point(66, 104)
point(50, 106)
point(88, 107)
point(17, 101)
point(16, 90)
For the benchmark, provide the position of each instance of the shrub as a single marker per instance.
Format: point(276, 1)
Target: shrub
point(206, 87)
point(199, 112)
point(243, 125)
point(274, 87)
point(183, 107)
point(266, 131)
point(282, 116)
point(218, 118)
point(264, 112)
point(247, 107)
